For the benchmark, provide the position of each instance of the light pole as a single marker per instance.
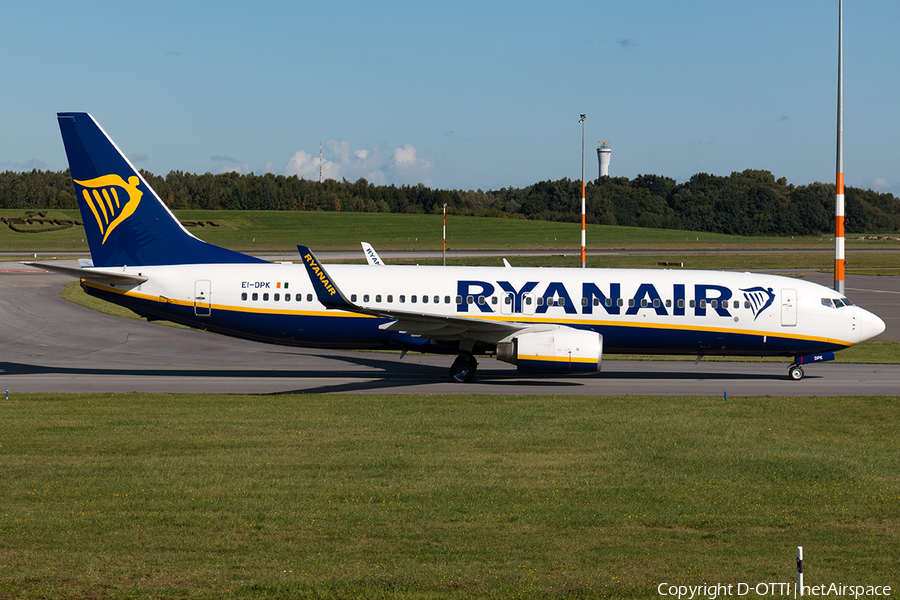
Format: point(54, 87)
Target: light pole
point(445, 234)
point(583, 262)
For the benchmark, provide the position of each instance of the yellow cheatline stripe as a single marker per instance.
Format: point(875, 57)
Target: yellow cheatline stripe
point(525, 321)
point(574, 359)
point(664, 326)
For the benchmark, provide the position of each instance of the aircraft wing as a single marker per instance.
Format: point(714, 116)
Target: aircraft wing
point(432, 326)
point(98, 275)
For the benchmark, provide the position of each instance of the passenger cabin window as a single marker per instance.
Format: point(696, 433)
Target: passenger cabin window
point(309, 297)
point(411, 299)
point(377, 297)
point(244, 296)
point(365, 297)
point(352, 297)
point(276, 297)
point(390, 298)
point(266, 297)
point(680, 303)
point(424, 299)
point(255, 296)
point(446, 299)
point(402, 298)
point(437, 300)
point(298, 297)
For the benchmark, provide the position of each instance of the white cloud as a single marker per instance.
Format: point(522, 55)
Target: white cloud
point(408, 168)
point(376, 165)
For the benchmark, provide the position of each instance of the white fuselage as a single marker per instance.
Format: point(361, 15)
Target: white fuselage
point(636, 311)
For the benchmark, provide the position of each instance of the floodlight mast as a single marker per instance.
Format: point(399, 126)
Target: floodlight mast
point(583, 262)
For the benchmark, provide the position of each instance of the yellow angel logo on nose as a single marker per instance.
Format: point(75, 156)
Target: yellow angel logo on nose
point(102, 197)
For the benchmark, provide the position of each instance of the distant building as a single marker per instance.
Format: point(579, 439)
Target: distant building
point(604, 151)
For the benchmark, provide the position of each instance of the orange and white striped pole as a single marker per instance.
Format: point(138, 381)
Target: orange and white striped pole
point(583, 245)
point(839, 182)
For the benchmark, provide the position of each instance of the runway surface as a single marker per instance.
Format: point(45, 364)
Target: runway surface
point(48, 344)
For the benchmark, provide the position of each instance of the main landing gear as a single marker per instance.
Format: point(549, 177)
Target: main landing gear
point(795, 372)
point(463, 368)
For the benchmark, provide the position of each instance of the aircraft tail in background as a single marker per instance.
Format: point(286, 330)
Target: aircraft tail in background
point(125, 221)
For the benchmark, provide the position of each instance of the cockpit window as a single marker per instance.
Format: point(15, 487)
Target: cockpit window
point(837, 302)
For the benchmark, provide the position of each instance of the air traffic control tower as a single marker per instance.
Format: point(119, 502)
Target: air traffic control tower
point(604, 151)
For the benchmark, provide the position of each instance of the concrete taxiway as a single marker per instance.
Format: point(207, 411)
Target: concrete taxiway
point(50, 345)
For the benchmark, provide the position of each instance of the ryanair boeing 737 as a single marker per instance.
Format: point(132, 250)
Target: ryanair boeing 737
point(541, 320)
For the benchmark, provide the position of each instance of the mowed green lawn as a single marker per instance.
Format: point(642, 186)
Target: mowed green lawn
point(351, 496)
point(275, 231)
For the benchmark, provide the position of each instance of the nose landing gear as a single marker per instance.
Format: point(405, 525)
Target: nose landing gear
point(795, 372)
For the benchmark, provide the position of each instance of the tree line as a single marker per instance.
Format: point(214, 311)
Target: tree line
point(751, 202)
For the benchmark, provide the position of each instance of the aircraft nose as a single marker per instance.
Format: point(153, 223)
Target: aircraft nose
point(868, 326)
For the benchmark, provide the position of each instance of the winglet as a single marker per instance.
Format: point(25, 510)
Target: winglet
point(326, 290)
point(371, 256)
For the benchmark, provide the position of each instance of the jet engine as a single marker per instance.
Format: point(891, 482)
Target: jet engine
point(561, 350)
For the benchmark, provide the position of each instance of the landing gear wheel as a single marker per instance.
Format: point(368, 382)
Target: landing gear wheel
point(795, 372)
point(463, 368)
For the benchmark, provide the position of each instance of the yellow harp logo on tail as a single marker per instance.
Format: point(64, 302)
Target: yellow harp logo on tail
point(105, 199)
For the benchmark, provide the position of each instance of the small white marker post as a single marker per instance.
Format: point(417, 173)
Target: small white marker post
point(800, 569)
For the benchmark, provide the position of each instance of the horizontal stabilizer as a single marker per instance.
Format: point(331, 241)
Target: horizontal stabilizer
point(91, 274)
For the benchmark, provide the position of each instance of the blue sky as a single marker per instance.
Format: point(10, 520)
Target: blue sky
point(459, 95)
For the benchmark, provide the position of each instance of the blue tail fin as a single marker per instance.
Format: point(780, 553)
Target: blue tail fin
point(125, 221)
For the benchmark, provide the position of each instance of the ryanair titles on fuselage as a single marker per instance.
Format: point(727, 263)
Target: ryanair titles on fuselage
point(703, 297)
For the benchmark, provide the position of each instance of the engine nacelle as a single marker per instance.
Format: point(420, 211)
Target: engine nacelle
point(562, 350)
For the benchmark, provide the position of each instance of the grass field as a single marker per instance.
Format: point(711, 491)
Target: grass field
point(138, 496)
point(260, 231)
